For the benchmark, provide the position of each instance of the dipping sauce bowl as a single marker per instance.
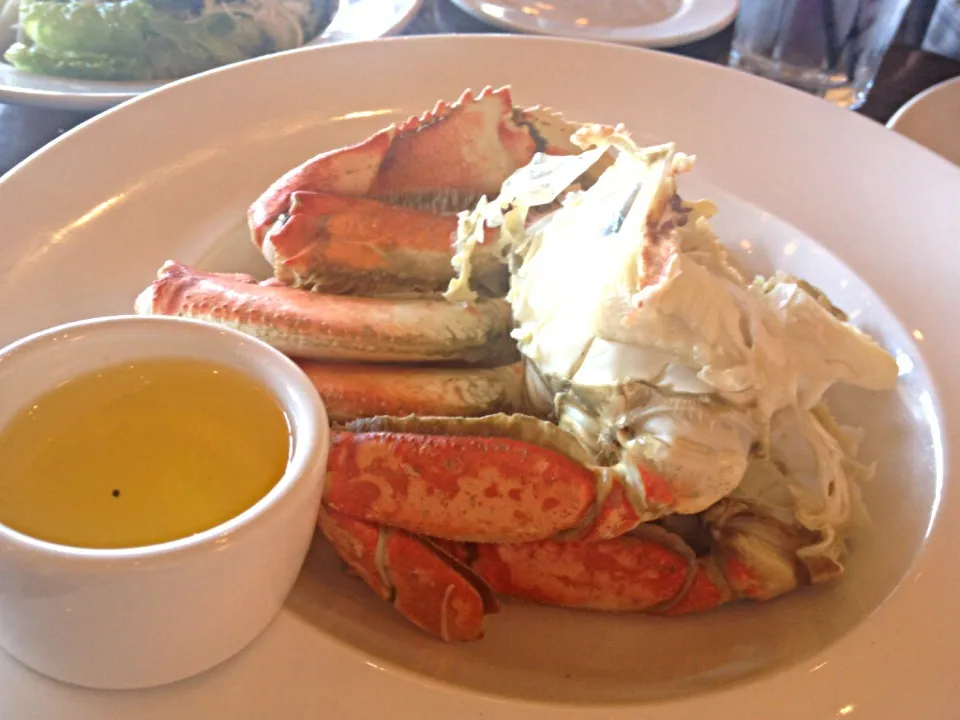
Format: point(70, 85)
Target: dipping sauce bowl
point(136, 617)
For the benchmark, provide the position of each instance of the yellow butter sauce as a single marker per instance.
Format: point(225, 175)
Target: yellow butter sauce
point(140, 453)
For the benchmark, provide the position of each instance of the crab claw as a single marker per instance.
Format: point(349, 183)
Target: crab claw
point(381, 215)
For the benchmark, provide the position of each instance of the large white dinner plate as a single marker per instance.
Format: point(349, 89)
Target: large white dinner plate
point(647, 23)
point(355, 20)
point(816, 190)
point(932, 118)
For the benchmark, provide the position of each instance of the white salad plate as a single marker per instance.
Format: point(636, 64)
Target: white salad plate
point(932, 118)
point(800, 185)
point(354, 20)
point(648, 23)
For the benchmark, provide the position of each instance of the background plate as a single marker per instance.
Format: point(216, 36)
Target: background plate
point(932, 118)
point(354, 20)
point(648, 23)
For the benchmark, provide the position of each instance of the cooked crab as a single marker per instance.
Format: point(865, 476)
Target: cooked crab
point(599, 411)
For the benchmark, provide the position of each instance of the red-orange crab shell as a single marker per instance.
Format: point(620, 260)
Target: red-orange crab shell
point(380, 216)
point(432, 590)
point(498, 478)
point(319, 326)
point(498, 494)
point(470, 145)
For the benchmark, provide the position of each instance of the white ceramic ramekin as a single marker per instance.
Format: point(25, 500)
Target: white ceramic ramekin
point(151, 615)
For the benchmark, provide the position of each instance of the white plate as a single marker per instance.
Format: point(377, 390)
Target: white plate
point(649, 23)
point(88, 220)
point(354, 20)
point(932, 118)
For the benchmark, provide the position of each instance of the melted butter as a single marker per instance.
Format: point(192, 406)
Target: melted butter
point(140, 454)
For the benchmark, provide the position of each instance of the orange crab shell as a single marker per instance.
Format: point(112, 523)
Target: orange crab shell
point(468, 146)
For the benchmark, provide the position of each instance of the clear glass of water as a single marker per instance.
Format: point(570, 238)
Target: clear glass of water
point(832, 48)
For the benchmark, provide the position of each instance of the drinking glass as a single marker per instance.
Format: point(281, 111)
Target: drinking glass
point(832, 48)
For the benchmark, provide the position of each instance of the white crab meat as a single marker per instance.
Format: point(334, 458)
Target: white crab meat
point(643, 329)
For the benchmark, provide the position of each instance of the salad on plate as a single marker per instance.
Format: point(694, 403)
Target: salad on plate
point(148, 40)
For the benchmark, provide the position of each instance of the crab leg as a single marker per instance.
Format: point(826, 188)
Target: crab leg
point(432, 590)
point(750, 556)
point(446, 587)
point(498, 478)
point(544, 523)
point(623, 574)
point(354, 391)
point(460, 488)
point(340, 244)
point(334, 327)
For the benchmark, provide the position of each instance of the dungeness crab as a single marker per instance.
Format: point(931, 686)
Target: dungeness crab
point(567, 393)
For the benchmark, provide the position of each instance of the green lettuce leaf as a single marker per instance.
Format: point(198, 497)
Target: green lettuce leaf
point(73, 27)
point(73, 65)
point(181, 48)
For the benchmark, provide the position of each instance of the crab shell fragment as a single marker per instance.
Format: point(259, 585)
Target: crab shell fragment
point(447, 483)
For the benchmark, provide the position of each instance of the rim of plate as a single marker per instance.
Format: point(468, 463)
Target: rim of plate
point(920, 97)
point(913, 119)
point(694, 20)
point(847, 675)
point(48, 91)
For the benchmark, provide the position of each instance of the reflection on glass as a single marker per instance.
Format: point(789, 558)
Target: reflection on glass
point(492, 10)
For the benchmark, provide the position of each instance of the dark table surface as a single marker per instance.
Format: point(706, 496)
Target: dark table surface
point(905, 72)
